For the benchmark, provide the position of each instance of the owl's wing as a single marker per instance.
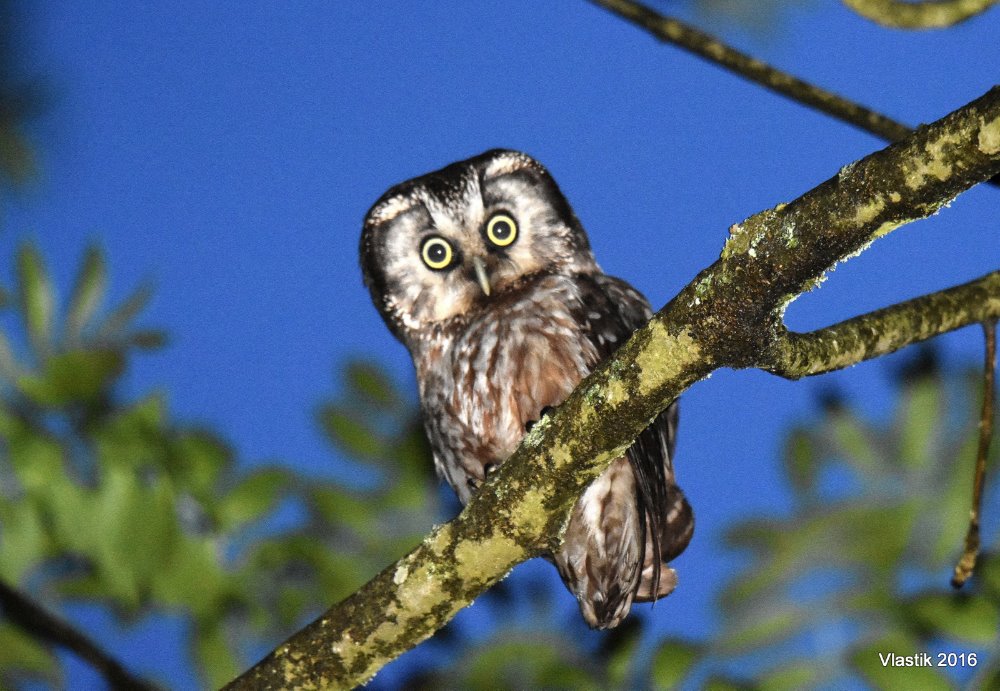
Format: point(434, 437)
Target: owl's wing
point(666, 519)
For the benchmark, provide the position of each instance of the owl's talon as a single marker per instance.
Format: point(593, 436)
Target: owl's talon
point(529, 425)
point(473, 484)
point(489, 468)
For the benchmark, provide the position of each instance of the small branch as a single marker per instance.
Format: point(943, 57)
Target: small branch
point(930, 14)
point(967, 563)
point(884, 331)
point(713, 50)
point(37, 622)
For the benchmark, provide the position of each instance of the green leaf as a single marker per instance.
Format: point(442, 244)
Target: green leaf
point(918, 419)
point(349, 434)
point(252, 497)
point(196, 461)
point(9, 367)
point(37, 299)
point(37, 461)
point(371, 385)
point(762, 628)
point(21, 652)
point(214, 655)
point(968, 618)
point(147, 339)
point(952, 502)
point(24, 542)
point(725, 684)
point(988, 571)
point(791, 675)
point(873, 662)
point(800, 460)
point(342, 508)
point(857, 441)
point(526, 663)
point(87, 294)
point(76, 376)
point(760, 536)
point(619, 649)
point(672, 662)
point(192, 578)
point(121, 317)
point(17, 161)
point(117, 518)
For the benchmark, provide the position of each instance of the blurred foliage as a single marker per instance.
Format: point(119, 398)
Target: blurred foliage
point(862, 563)
point(107, 500)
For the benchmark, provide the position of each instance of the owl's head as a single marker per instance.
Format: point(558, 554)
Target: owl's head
point(437, 247)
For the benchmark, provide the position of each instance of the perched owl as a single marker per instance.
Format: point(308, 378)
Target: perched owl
point(484, 272)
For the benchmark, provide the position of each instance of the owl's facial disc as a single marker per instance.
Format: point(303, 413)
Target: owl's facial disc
point(448, 243)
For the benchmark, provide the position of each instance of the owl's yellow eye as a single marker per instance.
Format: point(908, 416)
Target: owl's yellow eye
point(436, 253)
point(501, 230)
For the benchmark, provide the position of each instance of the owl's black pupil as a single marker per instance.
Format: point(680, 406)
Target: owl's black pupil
point(501, 230)
point(437, 252)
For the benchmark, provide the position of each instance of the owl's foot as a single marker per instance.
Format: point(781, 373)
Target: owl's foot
point(531, 423)
point(475, 482)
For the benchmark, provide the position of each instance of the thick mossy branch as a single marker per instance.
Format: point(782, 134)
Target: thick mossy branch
point(884, 331)
point(929, 14)
point(727, 317)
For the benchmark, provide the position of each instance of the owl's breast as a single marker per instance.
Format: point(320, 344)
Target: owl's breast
point(482, 384)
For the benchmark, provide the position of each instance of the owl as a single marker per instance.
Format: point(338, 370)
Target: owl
point(485, 274)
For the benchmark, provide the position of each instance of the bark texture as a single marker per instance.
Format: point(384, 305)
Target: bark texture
point(730, 315)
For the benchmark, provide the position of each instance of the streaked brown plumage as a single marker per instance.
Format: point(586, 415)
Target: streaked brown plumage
point(483, 271)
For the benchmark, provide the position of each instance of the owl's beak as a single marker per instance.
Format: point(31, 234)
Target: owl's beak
point(481, 275)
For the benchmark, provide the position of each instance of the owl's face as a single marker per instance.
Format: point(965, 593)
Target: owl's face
point(437, 247)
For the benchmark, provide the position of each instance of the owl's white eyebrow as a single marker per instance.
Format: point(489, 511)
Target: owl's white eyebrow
point(504, 165)
point(390, 209)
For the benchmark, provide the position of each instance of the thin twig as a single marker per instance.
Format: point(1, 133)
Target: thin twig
point(713, 50)
point(41, 624)
point(967, 563)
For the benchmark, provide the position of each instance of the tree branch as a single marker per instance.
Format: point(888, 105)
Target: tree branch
point(967, 562)
point(41, 624)
point(728, 315)
point(884, 331)
point(713, 50)
point(930, 14)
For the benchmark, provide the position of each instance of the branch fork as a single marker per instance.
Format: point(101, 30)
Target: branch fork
point(728, 316)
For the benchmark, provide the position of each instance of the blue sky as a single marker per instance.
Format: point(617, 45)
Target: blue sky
point(228, 152)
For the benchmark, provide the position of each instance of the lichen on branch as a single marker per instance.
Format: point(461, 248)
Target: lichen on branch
point(730, 315)
point(929, 14)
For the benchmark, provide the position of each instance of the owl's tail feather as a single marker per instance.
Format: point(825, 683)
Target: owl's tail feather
point(650, 465)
